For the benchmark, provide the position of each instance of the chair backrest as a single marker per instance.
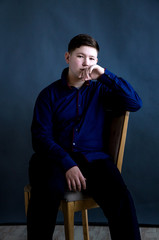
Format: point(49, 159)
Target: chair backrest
point(116, 131)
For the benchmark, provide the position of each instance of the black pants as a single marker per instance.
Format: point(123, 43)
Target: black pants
point(104, 184)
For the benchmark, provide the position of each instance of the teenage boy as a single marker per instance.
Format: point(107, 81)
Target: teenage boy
point(67, 136)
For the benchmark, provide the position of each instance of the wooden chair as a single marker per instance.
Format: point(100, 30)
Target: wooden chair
point(116, 130)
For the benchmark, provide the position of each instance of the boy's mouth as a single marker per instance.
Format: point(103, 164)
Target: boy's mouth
point(82, 69)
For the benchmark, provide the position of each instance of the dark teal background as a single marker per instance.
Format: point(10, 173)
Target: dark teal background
point(33, 39)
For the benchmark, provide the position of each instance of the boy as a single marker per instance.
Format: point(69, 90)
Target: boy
point(67, 137)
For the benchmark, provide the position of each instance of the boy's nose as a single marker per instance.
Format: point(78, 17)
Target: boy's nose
point(86, 62)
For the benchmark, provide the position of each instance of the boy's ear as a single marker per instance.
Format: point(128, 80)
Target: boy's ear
point(67, 57)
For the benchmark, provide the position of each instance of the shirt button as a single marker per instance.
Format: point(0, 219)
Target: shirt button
point(74, 144)
point(76, 129)
point(79, 105)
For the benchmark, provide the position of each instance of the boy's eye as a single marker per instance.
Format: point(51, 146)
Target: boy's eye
point(92, 59)
point(80, 56)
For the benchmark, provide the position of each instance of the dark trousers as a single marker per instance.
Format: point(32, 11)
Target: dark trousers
point(104, 184)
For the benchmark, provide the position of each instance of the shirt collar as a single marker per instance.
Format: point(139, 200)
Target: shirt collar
point(64, 79)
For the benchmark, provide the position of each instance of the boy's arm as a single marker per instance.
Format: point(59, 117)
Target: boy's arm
point(121, 93)
point(42, 134)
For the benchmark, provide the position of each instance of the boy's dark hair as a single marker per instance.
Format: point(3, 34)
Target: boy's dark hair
point(82, 40)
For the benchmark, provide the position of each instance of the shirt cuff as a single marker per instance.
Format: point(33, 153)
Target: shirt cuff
point(68, 163)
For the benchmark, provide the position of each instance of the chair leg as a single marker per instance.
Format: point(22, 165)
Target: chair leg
point(27, 195)
point(85, 224)
point(68, 211)
point(26, 202)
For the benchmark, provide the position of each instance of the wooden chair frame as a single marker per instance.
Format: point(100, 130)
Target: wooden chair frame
point(115, 146)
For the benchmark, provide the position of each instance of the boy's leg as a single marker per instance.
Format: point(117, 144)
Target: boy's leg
point(48, 184)
point(105, 184)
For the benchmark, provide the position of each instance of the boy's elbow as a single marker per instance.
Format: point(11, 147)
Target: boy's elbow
point(137, 106)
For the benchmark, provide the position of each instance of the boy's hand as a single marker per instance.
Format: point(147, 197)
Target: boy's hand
point(91, 73)
point(75, 179)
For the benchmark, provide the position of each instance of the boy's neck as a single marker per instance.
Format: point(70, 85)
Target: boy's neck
point(74, 82)
point(77, 84)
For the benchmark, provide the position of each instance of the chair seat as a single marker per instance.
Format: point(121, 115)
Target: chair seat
point(71, 196)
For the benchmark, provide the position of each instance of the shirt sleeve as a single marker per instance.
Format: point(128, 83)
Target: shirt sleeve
point(42, 133)
point(121, 93)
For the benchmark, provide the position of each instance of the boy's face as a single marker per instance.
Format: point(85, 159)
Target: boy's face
point(79, 59)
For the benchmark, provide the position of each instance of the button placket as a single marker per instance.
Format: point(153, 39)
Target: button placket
point(76, 127)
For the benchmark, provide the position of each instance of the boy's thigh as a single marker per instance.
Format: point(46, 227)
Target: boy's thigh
point(46, 175)
point(103, 176)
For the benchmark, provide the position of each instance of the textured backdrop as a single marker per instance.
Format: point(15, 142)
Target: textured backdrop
point(33, 40)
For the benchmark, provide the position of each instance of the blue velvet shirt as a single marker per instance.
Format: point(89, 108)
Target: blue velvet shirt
point(68, 119)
